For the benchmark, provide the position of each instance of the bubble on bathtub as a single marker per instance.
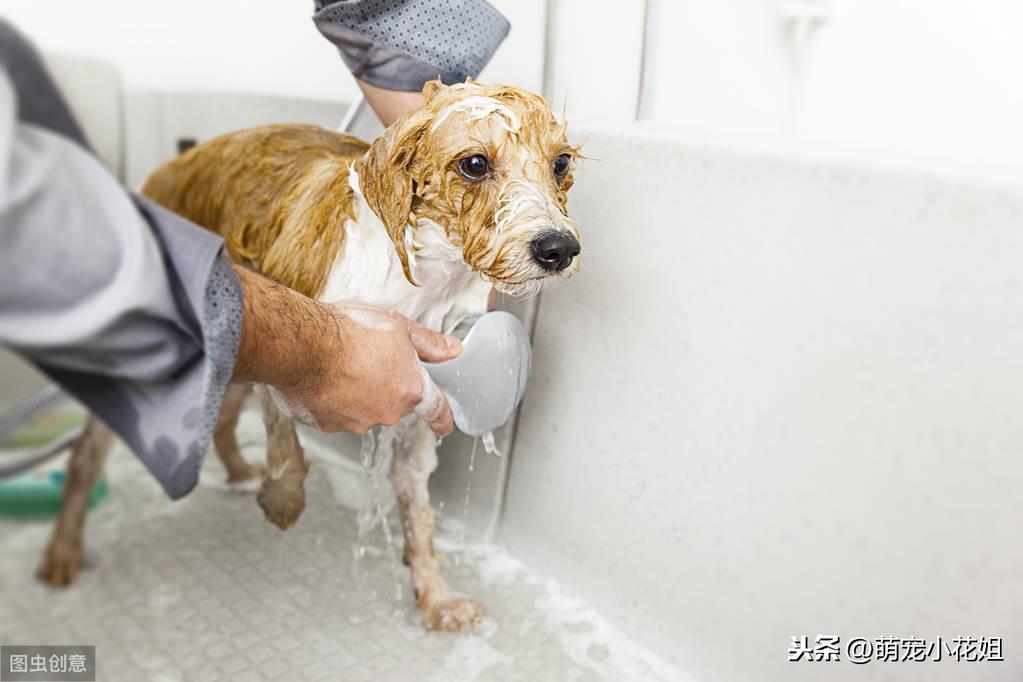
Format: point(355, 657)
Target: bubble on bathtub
point(494, 565)
point(410, 626)
point(585, 637)
point(601, 647)
point(472, 656)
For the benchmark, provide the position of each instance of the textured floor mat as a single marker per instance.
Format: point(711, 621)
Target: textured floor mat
point(205, 589)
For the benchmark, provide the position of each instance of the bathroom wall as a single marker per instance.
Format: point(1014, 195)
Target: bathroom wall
point(780, 398)
point(930, 79)
point(934, 79)
point(255, 46)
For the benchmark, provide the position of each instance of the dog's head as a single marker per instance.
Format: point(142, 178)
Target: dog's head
point(491, 166)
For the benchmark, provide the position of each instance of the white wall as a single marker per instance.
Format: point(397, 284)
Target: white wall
point(932, 79)
point(594, 59)
point(924, 78)
point(930, 76)
point(256, 46)
point(717, 66)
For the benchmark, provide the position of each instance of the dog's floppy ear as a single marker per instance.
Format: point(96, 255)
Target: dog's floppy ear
point(431, 88)
point(386, 177)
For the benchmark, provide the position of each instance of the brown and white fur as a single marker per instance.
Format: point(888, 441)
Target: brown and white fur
point(398, 223)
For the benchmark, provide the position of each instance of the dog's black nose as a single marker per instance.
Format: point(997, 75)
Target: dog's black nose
point(554, 250)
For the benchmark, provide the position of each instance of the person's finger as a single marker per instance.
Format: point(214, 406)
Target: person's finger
point(433, 346)
point(434, 408)
point(444, 422)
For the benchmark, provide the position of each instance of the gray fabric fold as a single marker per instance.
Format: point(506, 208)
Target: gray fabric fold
point(45, 108)
point(129, 307)
point(401, 44)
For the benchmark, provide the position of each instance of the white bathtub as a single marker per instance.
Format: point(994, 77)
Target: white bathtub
point(781, 399)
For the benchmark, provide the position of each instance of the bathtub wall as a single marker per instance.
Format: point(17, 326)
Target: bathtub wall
point(781, 398)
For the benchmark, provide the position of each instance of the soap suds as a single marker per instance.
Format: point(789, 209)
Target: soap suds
point(478, 107)
point(471, 656)
point(429, 408)
point(585, 636)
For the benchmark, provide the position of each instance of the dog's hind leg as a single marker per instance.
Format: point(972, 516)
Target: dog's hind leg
point(63, 555)
point(225, 440)
point(415, 458)
point(282, 495)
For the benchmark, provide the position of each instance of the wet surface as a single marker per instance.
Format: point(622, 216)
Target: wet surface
point(205, 589)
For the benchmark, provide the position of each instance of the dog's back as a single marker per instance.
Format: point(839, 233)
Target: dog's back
point(276, 194)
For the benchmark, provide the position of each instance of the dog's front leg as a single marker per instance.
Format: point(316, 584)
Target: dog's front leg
point(282, 495)
point(415, 458)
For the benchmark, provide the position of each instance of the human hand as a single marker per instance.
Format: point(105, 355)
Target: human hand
point(379, 377)
point(346, 366)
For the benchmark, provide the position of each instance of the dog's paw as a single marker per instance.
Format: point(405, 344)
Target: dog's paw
point(452, 613)
point(60, 564)
point(281, 501)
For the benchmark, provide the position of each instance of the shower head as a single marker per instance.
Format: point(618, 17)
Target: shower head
point(486, 382)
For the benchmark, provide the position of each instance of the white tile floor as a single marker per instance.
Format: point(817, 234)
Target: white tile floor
point(204, 589)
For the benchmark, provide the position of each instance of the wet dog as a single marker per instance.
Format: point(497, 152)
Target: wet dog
point(465, 195)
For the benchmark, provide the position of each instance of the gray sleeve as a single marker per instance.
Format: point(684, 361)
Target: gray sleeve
point(401, 44)
point(128, 306)
point(46, 107)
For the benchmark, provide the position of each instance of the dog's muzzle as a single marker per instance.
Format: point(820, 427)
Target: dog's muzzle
point(554, 250)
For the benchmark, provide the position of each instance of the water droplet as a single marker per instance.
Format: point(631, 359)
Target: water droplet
point(489, 445)
point(468, 492)
point(368, 454)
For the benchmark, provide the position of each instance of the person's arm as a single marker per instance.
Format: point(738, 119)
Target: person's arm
point(393, 48)
point(134, 311)
point(109, 304)
point(340, 367)
point(389, 105)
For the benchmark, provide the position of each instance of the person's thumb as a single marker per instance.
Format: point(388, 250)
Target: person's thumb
point(433, 346)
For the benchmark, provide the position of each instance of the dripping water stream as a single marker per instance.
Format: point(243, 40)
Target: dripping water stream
point(468, 494)
point(368, 454)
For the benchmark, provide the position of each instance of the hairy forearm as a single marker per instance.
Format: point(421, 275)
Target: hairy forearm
point(282, 334)
point(343, 366)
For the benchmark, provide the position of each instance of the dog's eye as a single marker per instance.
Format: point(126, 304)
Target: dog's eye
point(474, 167)
point(561, 165)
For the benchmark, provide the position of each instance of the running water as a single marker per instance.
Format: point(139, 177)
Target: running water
point(489, 445)
point(367, 518)
point(468, 494)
